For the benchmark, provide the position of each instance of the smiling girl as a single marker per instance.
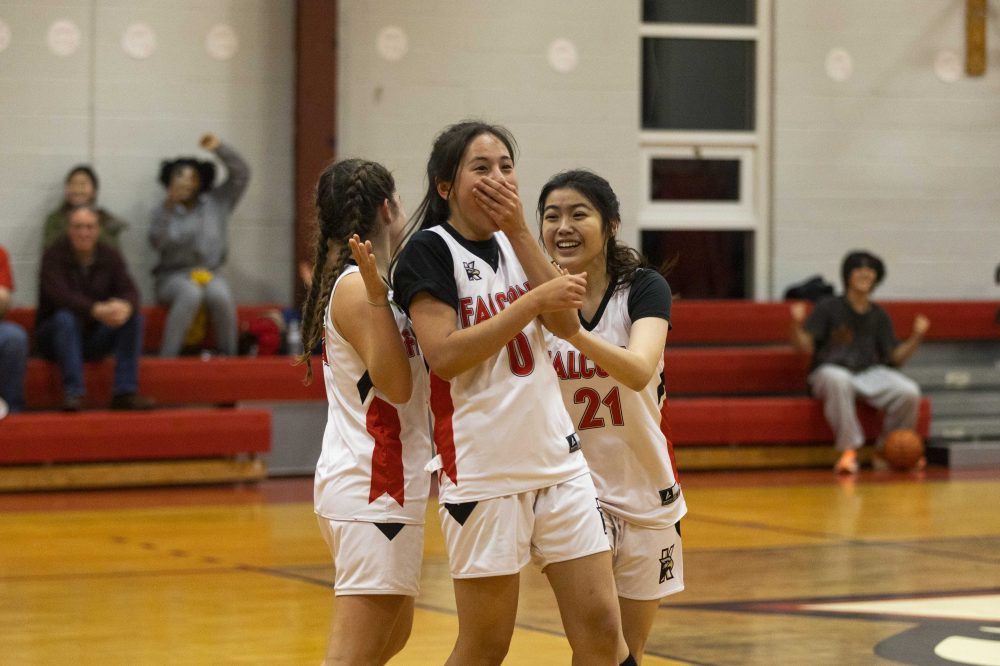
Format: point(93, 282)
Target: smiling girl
point(611, 377)
point(514, 485)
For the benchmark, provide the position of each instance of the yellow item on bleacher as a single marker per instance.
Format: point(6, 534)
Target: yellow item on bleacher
point(199, 327)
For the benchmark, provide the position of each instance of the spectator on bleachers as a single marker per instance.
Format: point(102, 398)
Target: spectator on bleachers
point(80, 189)
point(855, 356)
point(13, 346)
point(88, 307)
point(189, 229)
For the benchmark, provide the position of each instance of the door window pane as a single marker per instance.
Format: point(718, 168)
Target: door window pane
point(677, 179)
point(735, 12)
point(706, 264)
point(698, 84)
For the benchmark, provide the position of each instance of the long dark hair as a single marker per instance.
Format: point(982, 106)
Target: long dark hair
point(348, 197)
point(442, 167)
point(622, 261)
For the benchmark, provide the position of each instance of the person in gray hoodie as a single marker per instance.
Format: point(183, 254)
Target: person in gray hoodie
point(189, 230)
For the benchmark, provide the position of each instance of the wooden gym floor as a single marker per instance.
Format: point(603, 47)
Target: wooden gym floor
point(782, 568)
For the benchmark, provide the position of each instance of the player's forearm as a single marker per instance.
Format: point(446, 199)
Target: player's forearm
point(387, 362)
point(625, 366)
point(464, 349)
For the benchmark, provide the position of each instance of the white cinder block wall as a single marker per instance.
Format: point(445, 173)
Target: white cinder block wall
point(488, 60)
point(124, 115)
point(893, 159)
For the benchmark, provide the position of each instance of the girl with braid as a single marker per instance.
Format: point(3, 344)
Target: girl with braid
point(514, 485)
point(370, 487)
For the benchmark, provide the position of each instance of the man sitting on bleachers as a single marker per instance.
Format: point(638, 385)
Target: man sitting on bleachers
point(855, 355)
point(88, 307)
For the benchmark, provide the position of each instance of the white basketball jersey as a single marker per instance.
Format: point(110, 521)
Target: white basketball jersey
point(622, 432)
point(500, 428)
point(374, 451)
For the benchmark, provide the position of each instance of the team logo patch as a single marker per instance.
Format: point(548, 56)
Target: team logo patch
point(667, 564)
point(471, 271)
point(669, 495)
point(574, 442)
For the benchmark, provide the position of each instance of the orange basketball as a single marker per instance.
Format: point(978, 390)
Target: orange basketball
point(903, 448)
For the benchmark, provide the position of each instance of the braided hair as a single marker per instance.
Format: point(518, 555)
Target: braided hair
point(348, 196)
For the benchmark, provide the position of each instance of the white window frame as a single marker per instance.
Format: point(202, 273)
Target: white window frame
point(752, 148)
point(694, 214)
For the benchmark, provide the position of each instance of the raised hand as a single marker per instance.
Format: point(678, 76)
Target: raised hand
point(500, 201)
point(798, 311)
point(364, 257)
point(209, 142)
point(921, 325)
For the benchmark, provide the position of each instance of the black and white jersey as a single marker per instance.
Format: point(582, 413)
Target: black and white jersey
point(500, 428)
point(623, 432)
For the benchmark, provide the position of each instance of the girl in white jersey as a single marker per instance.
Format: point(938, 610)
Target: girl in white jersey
point(371, 487)
point(513, 483)
point(611, 376)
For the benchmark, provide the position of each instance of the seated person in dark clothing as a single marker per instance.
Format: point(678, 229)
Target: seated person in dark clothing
point(88, 308)
point(13, 347)
point(855, 355)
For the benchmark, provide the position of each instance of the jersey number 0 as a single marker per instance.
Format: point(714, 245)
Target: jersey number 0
point(522, 362)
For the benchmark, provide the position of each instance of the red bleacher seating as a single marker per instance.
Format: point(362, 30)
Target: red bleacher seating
point(734, 370)
point(92, 436)
point(732, 379)
point(747, 322)
point(781, 420)
point(184, 381)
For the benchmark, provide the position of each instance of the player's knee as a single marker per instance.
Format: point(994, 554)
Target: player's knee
point(488, 647)
point(395, 644)
point(599, 631)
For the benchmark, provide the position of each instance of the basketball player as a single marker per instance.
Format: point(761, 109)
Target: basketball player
point(611, 376)
point(514, 485)
point(371, 487)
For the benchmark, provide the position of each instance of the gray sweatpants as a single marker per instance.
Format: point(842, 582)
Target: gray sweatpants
point(881, 387)
point(183, 296)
